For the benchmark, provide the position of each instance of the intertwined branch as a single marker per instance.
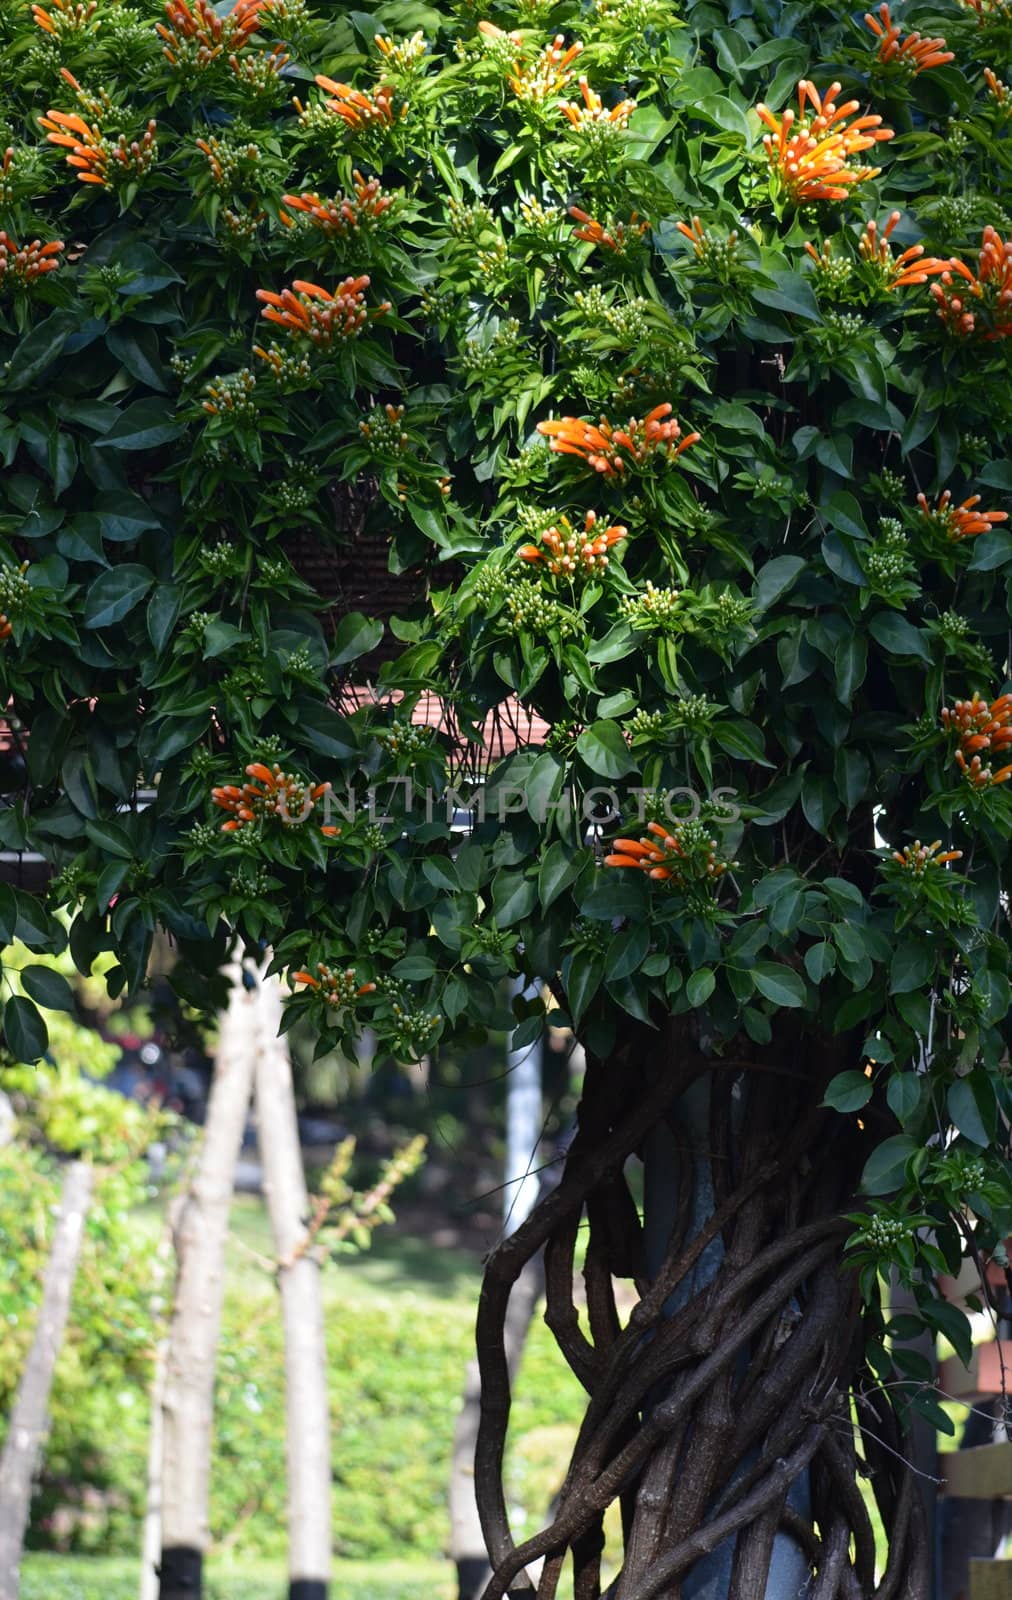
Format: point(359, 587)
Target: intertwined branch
point(724, 1390)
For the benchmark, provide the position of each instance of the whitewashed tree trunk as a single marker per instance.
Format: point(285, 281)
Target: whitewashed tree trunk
point(200, 1237)
point(520, 1192)
point(151, 1542)
point(30, 1415)
point(299, 1273)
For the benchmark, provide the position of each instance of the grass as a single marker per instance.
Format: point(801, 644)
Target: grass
point(45, 1577)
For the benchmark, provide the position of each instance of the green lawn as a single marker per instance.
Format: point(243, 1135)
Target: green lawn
point(82, 1578)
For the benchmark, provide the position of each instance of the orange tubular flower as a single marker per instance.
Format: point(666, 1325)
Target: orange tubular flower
point(548, 75)
point(335, 988)
point(89, 149)
point(617, 238)
point(272, 793)
point(998, 90)
point(962, 521)
point(662, 857)
point(25, 263)
point(568, 553)
point(911, 266)
point(347, 214)
point(593, 112)
point(913, 53)
point(307, 311)
point(916, 858)
point(5, 628)
point(68, 18)
point(810, 162)
point(981, 726)
point(194, 26)
point(990, 287)
point(599, 446)
point(358, 110)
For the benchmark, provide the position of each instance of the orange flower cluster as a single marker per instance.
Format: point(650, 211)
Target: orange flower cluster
point(272, 793)
point(962, 521)
point(196, 33)
point(313, 313)
point(543, 78)
point(569, 553)
point(24, 263)
point(346, 215)
point(916, 858)
point(69, 17)
point(911, 266)
point(663, 856)
point(592, 112)
point(981, 726)
point(990, 287)
point(998, 90)
point(600, 445)
point(616, 238)
point(96, 158)
point(259, 72)
point(358, 110)
point(811, 161)
point(913, 52)
point(335, 988)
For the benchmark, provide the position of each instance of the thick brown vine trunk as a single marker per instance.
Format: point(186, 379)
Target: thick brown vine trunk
point(29, 1418)
point(720, 1415)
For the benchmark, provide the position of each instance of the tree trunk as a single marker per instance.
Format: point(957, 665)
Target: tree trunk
point(520, 1191)
point(308, 1423)
point(30, 1415)
point(151, 1543)
point(200, 1238)
point(720, 1416)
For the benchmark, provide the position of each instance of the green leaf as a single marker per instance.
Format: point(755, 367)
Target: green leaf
point(47, 987)
point(965, 1111)
point(414, 969)
point(141, 426)
point(991, 550)
point(851, 666)
point(136, 347)
point(513, 897)
point(895, 634)
point(355, 636)
point(627, 952)
point(742, 739)
point(110, 880)
point(792, 293)
point(557, 870)
point(323, 730)
point(717, 108)
point(848, 1091)
point(440, 873)
point(820, 961)
point(39, 349)
point(605, 751)
point(111, 838)
point(903, 1094)
point(124, 516)
point(700, 986)
point(912, 967)
point(26, 1033)
point(163, 614)
point(775, 578)
point(780, 984)
point(114, 593)
point(884, 1168)
point(582, 976)
point(842, 511)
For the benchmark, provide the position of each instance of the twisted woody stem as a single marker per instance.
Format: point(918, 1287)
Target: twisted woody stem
point(721, 1416)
